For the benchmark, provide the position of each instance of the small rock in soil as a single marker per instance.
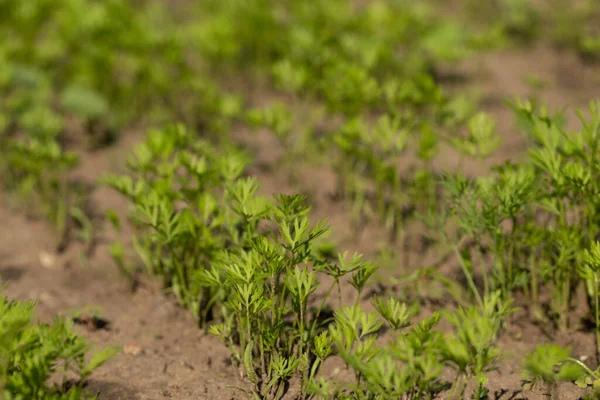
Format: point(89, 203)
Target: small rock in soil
point(48, 260)
point(132, 350)
point(49, 299)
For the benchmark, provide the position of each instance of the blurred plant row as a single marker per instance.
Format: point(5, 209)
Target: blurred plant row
point(564, 24)
point(75, 74)
point(359, 91)
point(73, 79)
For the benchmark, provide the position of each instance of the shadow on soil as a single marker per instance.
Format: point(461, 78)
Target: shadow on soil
point(11, 273)
point(111, 391)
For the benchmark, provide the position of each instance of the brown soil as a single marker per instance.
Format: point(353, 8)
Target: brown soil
point(165, 355)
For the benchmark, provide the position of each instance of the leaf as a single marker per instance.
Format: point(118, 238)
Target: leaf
point(99, 358)
point(84, 102)
point(582, 383)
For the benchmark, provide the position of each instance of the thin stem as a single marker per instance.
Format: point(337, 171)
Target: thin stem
point(534, 279)
point(468, 276)
point(277, 394)
point(316, 318)
point(499, 262)
point(584, 367)
point(357, 302)
point(554, 395)
point(301, 327)
point(337, 282)
point(565, 297)
point(457, 386)
point(484, 273)
point(597, 317)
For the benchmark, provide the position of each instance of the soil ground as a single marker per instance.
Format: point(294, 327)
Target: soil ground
point(165, 355)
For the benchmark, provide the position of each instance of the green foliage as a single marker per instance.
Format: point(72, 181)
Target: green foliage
point(589, 272)
point(255, 269)
point(550, 364)
point(34, 354)
point(122, 62)
point(277, 117)
point(251, 266)
point(540, 365)
point(369, 155)
point(36, 170)
point(522, 22)
point(472, 350)
point(513, 19)
point(481, 141)
point(269, 288)
point(410, 366)
point(34, 166)
point(72, 67)
point(189, 203)
point(337, 57)
point(535, 217)
point(349, 40)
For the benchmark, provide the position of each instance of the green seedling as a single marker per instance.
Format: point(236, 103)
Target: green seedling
point(270, 287)
point(410, 366)
point(368, 156)
point(482, 206)
point(532, 217)
point(188, 203)
point(589, 271)
point(481, 141)
point(473, 350)
point(37, 172)
point(550, 364)
point(35, 353)
point(253, 267)
point(54, 90)
point(355, 73)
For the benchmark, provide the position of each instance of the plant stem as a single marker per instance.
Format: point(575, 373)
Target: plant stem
point(484, 273)
point(534, 280)
point(554, 395)
point(337, 282)
point(565, 297)
point(316, 318)
point(597, 317)
point(468, 276)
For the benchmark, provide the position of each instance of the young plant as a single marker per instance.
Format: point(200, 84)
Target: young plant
point(473, 350)
point(33, 354)
point(566, 167)
point(531, 221)
point(57, 94)
point(481, 141)
point(295, 137)
point(37, 171)
point(273, 334)
point(481, 207)
point(367, 162)
point(185, 198)
point(409, 367)
point(589, 271)
point(550, 364)
point(411, 364)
